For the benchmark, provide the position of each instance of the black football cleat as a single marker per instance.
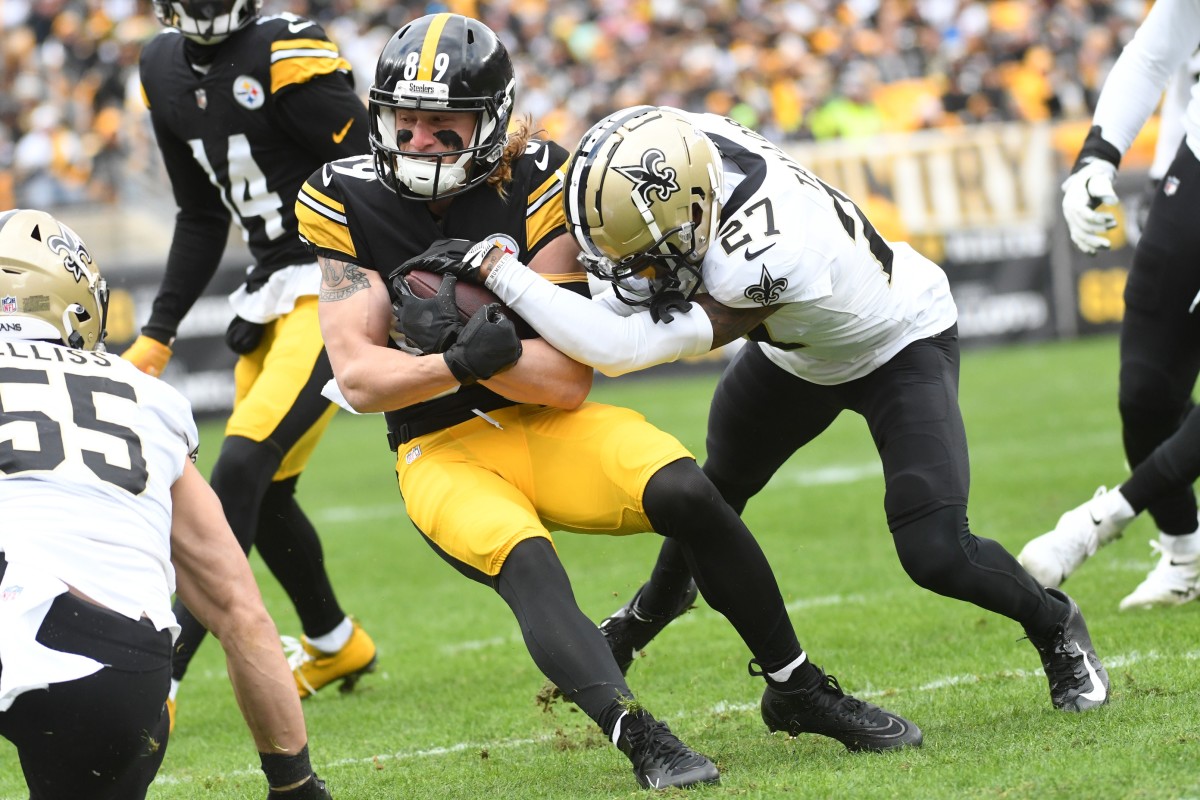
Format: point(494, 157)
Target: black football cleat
point(660, 760)
point(828, 711)
point(629, 629)
point(1078, 681)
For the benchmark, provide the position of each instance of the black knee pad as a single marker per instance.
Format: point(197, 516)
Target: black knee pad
point(680, 497)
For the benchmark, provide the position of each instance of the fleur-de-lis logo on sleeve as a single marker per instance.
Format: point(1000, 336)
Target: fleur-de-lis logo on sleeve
point(652, 175)
point(767, 290)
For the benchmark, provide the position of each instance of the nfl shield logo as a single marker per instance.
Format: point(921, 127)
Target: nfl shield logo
point(1170, 185)
point(11, 592)
point(202, 99)
point(8, 304)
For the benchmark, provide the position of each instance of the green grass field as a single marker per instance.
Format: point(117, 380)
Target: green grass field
point(451, 712)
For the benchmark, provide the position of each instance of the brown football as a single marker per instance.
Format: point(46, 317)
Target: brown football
point(469, 298)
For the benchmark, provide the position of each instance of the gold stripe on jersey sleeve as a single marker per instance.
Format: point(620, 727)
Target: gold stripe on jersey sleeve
point(323, 221)
point(145, 97)
point(429, 46)
point(299, 60)
point(567, 277)
point(544, 211)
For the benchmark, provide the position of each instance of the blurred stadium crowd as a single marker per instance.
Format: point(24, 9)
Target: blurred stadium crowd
point(73, 129)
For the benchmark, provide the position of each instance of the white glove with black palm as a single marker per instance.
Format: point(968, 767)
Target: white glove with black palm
point(1088, 188)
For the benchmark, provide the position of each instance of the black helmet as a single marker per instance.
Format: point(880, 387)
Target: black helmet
point(441, 62)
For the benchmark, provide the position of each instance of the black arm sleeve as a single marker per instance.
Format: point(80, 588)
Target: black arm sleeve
point(315, 114)
point(201, 230)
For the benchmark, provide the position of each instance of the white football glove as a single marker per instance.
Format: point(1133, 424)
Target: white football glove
point(1085, 190)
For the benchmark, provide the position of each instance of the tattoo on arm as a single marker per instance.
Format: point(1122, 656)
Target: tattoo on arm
point(340, 279)
point(731, 323)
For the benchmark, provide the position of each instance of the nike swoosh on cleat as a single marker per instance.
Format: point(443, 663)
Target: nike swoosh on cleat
point(340, 135)
point(1097, 693)
point(753, 254)
point(1092, 517)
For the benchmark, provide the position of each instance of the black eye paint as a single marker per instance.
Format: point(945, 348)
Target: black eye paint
point(404, 136)
point(450, 139)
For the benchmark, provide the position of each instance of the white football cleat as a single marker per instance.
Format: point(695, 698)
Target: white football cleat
point(1052, 557)
point(1175, 579)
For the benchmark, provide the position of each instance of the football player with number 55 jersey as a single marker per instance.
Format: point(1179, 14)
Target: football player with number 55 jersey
point(708, 232)
point(244, 109)
point(105, 516)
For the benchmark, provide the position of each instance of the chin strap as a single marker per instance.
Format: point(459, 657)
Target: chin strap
point(662, 308)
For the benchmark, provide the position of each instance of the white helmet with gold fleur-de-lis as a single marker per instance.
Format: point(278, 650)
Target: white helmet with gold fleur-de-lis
point(50, 286)
point(643, 200)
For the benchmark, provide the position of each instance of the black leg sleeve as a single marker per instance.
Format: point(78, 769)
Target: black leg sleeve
point(1174, 463)
point(566, 646)
point(729, 566)
point(240, 478)
point(939, 552)
point(291, 549)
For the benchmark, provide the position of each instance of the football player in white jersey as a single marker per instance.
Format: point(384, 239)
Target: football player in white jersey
point(105, 515)
point(708, 232)
point(1160, 331)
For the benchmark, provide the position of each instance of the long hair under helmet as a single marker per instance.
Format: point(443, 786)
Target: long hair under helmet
point(441, 62)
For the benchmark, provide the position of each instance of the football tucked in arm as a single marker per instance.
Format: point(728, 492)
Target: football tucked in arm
point(468, 297)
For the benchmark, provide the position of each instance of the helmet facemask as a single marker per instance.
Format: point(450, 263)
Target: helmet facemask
point(431, 176)
point(643, 201)
point(50, 286)
point(207, 21)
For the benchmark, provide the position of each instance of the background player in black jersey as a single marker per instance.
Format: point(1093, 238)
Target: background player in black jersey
point(1160, 331)
point(91, 549)
point(244, 109)
point(495, 444)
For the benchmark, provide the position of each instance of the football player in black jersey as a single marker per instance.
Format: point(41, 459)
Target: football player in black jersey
point(495, 443)
point(244, 109)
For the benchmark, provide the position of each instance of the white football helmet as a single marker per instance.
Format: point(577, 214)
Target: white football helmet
point(643, 199)
point(207, 21)
point(50, 288)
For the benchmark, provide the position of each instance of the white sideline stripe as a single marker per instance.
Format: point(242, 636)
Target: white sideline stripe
point(473, 645)
point(1110, 663)
point(795, 477)
point(826, 475)
point(336, 514)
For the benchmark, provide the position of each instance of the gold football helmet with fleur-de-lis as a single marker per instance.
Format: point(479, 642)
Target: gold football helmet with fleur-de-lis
point(643, 199)
point(50, 287)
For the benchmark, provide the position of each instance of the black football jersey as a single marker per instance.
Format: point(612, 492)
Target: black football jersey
point(242, 136)
point(347, 214)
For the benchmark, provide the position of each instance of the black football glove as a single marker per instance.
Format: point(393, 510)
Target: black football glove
point(313, 789)
point(458, 257)
point(430, 324)
point(243, 336)
point(488, 344)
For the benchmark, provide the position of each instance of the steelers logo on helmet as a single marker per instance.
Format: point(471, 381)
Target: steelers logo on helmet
point(449, 63)
point(646, 234)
